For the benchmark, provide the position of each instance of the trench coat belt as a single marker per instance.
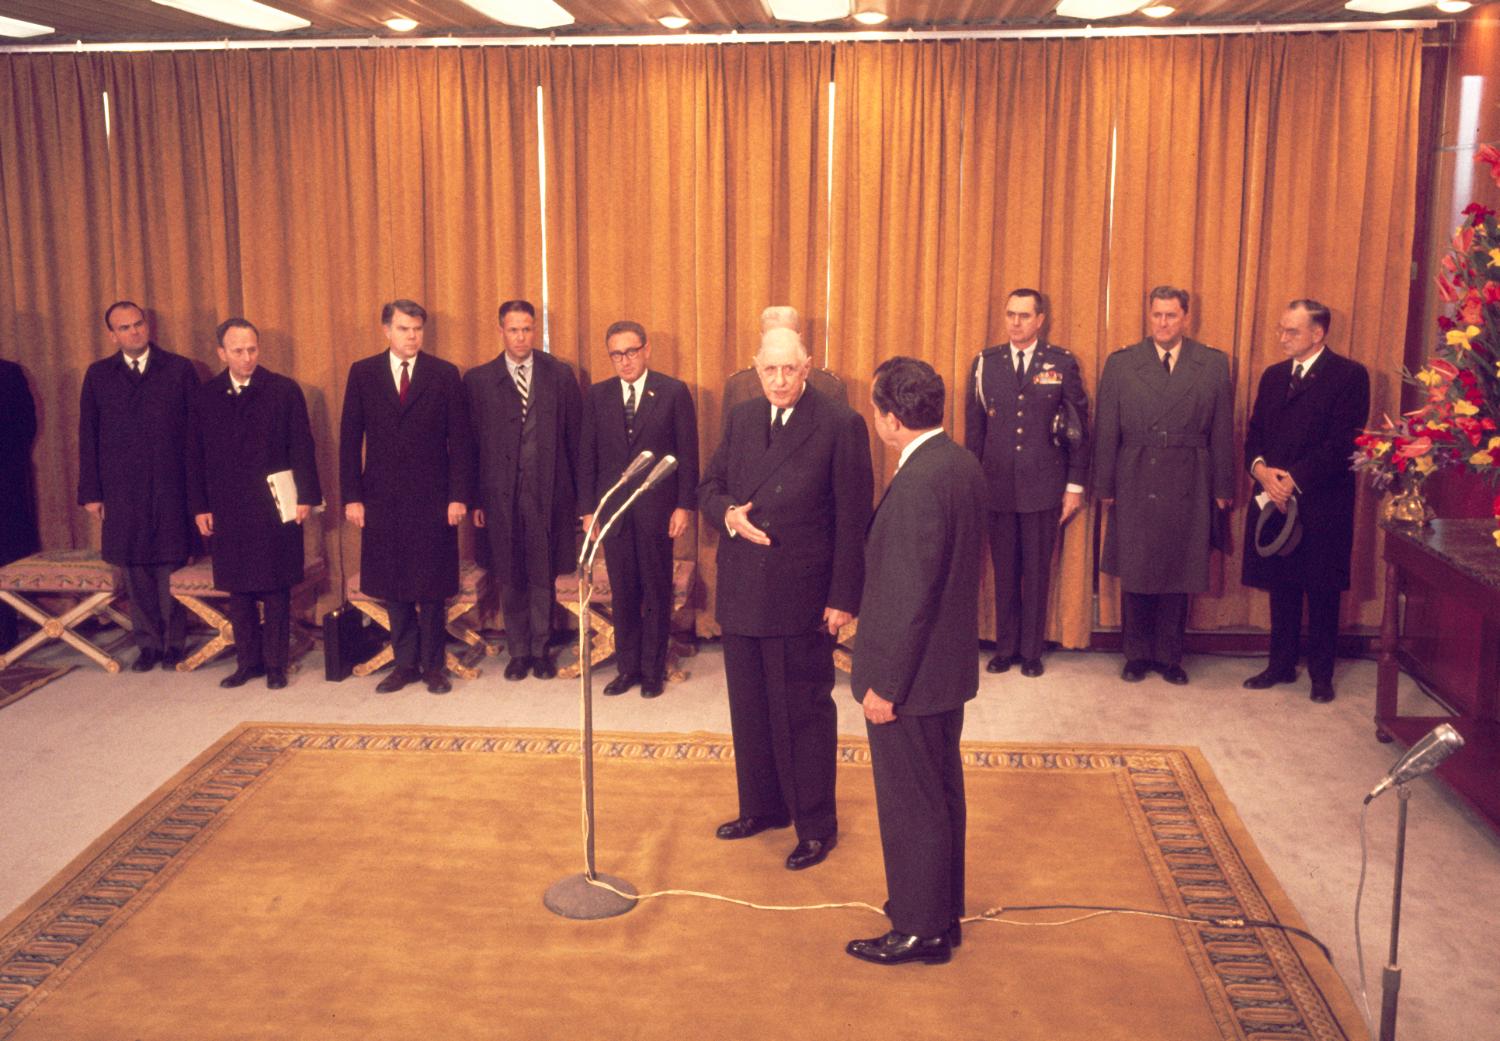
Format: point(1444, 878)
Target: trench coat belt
point(1165, 439)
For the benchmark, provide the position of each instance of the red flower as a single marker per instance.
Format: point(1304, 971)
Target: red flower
point(1467, 379)
point(1492, 292)
point(1489, 155)
point(1473, 309)
point(1477, 214)
point(1495, 509)
point(1463, 238)
point(1444, 322)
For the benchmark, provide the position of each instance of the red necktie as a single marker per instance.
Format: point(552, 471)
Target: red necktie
point(405, 383)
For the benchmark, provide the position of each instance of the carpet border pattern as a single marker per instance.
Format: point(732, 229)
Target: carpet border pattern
point(1255, 981)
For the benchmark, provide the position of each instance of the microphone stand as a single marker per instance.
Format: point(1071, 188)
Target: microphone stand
point(1390, 977)
point(576, 896)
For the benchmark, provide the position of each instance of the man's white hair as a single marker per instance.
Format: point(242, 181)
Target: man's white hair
point(780, 316)
point(781, 337)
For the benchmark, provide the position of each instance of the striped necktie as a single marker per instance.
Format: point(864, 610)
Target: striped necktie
point(630, 410)
point(523, 388)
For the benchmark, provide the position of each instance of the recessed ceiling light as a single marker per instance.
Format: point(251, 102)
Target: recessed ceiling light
point(1453, 6)
point(20, 30)
point(528, 14)
point(870, 17)
point(400, 25)
point(1095, 10)
point(809, 10)
point(247, 14)
point(673, 21)
point(1383, 6)
point(1158, 11)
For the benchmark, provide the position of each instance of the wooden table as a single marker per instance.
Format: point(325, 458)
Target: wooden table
point(1441, 624)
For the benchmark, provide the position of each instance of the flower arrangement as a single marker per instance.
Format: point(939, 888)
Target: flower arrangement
point(1457, 425)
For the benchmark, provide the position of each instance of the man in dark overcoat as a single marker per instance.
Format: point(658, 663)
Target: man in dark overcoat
point(1164, 461)
point(1032, 485)
point(789, 491)
point(915, 663)
point(406, 476)
point(1308, 410)
point(526, 407)
point(638, 410)
point(18, 534)
point(249, 423)
point(132, 474)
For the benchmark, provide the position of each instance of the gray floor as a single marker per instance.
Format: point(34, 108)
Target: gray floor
point(81, 753)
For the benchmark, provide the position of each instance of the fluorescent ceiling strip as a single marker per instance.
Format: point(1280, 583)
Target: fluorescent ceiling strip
point(809, 10)
point(1384, 6)
point(20, 30)
point(247, 14)
point(528, 14)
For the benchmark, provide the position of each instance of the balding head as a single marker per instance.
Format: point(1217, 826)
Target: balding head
point(780, 316)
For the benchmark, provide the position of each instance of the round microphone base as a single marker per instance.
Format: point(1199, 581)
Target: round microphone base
point(576, 897)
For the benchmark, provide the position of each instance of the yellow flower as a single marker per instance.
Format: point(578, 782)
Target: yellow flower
point(1481, 459)
point(1382, 447)
point(1496, 534)
point(1427, 376)
point(1438, 426)
point(1494, 444)
point(1425, 465)
point(1495, 257)
point(1465, 408)
point(1460, 337)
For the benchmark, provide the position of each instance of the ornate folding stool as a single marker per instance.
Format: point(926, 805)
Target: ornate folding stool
point(78, 574)
point(603, 645)
point(473, 585)
point(193, 587)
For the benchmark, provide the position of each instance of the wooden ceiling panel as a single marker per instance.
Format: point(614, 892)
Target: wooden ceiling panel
point(106, 21)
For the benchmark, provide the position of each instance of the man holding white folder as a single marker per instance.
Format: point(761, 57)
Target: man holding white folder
point(251, 444)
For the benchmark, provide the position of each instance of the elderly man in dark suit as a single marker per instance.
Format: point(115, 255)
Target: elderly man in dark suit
point(408, 490)
point(1163, 459)
point(789, 491)
point(915, 663)
point(525, 407)
point(639, 410)
point(1308, 410)
point(132, 474)
point(1033, 486)
point(18, 534)
point(249, 423)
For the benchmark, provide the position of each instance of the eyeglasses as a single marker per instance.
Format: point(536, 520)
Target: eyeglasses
point(625, 355)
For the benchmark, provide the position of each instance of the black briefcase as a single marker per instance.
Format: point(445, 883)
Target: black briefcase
point(346, 641)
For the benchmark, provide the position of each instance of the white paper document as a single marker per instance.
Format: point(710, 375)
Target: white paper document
point(284, 491)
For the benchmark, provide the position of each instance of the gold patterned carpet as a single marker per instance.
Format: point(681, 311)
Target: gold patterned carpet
point(331, 882)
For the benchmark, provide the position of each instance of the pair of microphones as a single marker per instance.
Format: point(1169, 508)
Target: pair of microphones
point(594, 537)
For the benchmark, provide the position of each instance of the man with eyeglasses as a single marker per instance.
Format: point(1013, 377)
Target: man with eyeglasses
point(638, 410)
point(525, 407)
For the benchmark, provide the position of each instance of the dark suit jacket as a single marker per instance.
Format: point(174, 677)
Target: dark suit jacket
point(811, 491)
point(495, 412)
point(1311, 435)
point(1009, 427)
point(1163, 450)
point(132, 456)
point(919, 615)
point(235, 442)
point(18, 534)
point(417, 458)
point(665, 423)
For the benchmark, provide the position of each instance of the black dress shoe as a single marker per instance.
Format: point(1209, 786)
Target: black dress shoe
point(517, 668)
point(744, 827)
point(1001, 663)
point(170, 658)
point(810, 852)
point(238, 677)
point(1031, 667)
point(1174, 675)
point(146, 660)
point(1269, 678)
point(1322, 692)
point(954, 932)
point(543, 667)
point(398, 678)
point(898, 948)
point(652, 688)
point(275, 679)
point(620, 684)
point(437, 681)
point(1135, 670)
